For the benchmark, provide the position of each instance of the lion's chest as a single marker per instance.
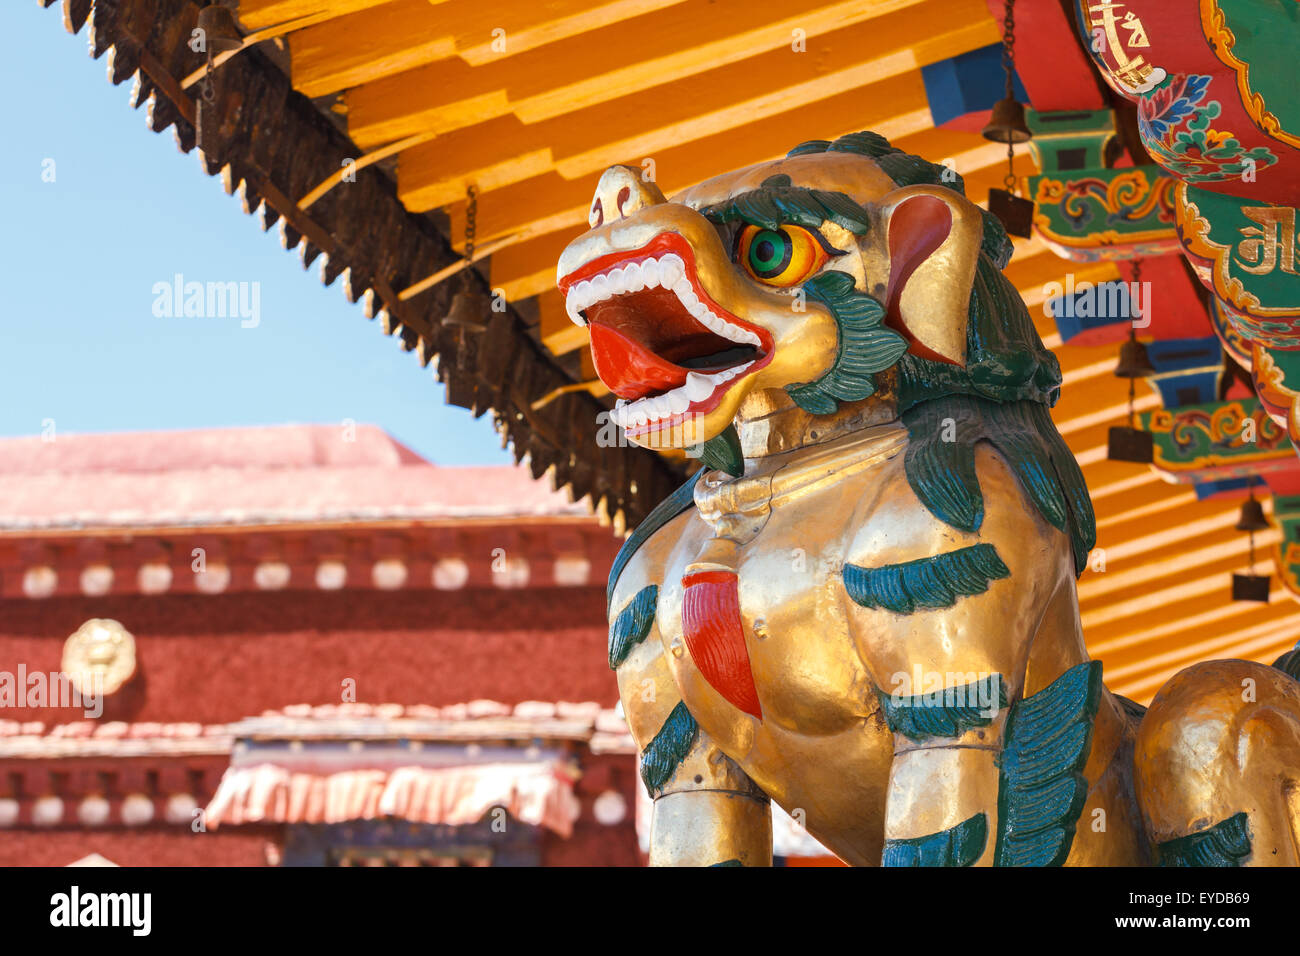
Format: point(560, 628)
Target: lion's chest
point(755, 627)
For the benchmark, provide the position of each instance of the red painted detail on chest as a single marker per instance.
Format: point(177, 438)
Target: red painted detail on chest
point(715, 636)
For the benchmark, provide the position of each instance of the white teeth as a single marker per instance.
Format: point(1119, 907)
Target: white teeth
point(579, 298)
point(668, 272)
point(632, 281)
point(712, 322)
point(650, 273)
point(697, 387)
point(671, 269)
point(616, 283)
point(657, 408)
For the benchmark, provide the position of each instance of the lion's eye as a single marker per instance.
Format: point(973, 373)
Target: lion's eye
point(780, 257)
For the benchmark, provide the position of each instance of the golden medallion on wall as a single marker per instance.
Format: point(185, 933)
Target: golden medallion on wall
point(99, 656)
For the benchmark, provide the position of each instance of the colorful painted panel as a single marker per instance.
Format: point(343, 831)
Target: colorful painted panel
point(1102, 214)
point(1203, 77)
point(1245, 252)
point(1262, 35)
point(1286, 555)
point(1217, 440)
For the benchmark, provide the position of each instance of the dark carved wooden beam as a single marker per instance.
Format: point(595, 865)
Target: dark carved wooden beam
point(271, 144)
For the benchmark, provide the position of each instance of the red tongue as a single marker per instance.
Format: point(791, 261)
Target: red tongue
point(629, 369)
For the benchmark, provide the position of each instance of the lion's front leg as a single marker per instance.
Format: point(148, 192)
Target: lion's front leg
point(707, 811)
point(944, 676)
point(941, 808)
point(945, 622)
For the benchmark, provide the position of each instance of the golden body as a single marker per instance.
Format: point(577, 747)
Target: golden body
point(821, 491)
point(822, 750)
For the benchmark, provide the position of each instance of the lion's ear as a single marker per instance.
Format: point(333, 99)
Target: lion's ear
point(933, 236)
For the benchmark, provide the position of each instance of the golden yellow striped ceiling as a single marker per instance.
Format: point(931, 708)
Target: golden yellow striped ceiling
point(528, 100)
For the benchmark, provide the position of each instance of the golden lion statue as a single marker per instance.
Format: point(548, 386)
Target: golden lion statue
point(864, 606)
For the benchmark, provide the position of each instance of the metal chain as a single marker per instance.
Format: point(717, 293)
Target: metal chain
point(1137, 281)
point(209, 91)
point(1132, 337)
point(1008, 66)
point(1251, 488)
point(471, 222)
point(1009, 42)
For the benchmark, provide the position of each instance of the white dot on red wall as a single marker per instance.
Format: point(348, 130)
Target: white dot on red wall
point(512, 574)
point(96, 579)
point(572, 571)
point(40, 581)
point(214, 579)
point(271, 575)
point(180, 808)
point(8, 811)
point(154, 577)
point(450, 574)
point(93, 811)
point(47, 811)
point(388, 574)
point(331, 575)
point(137, 810)
point(610, 808)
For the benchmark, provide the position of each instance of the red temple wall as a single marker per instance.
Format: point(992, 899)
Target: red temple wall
point(218, 658)
point(593, 843)
point(153, 846)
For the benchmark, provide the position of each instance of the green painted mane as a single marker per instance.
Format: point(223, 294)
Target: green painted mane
point(1001, 396)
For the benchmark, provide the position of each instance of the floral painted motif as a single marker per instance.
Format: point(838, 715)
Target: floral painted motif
point(1174, 121)
point(1170, 104)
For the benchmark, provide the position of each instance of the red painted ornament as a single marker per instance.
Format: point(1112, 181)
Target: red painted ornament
point(715, 637)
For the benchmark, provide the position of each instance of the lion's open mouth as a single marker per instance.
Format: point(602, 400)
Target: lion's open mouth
point(658, 340)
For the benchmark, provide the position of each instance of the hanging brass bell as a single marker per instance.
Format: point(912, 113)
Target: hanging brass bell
point(469, 309)
point(1252, 516)
point(1134, 361)
point(220, 34)
point(1007, 124)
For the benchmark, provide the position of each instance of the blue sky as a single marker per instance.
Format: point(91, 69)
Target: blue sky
point(80, 257)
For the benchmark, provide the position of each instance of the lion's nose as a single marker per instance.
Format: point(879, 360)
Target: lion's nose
point(620, 193)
